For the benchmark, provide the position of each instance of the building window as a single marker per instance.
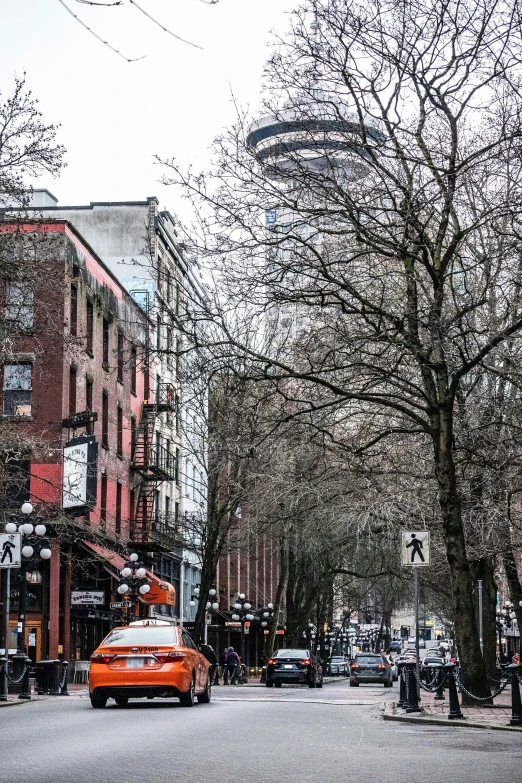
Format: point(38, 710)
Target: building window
point(176, 467)
point(19, 307)
point(133, 437)
point(120, 357)
point(158, 447)
point(133, 368)
point(72, 390)
point(105, 420)
point(178, 361)
point(88, 401)
point(132, 506)
point(156, 504)
point(178, 414)
point(103, 499)
point(105, 348)
point(118, 507)
point(167, 508)
point(73, 312)
point(169, 288)
point(17, 389)
point(90, 326)
point(120, 432)
point(159, 271)
point(177, 298)
point(158, 332)
point(176, 513)
point(169, 346)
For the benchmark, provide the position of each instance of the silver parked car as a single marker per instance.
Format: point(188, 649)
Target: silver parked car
point(339, 665)
point(371, 668)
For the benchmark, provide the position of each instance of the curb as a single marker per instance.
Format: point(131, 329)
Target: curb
point(390, 714)
point(14, 703)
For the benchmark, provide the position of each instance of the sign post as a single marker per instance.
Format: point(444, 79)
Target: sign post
point(415, 553)
point(10, 557)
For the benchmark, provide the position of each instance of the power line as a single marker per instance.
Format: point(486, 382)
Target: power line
point(155, 21)
point(116, 51)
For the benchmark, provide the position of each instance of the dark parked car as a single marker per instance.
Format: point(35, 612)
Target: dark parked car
point(371, 667)
point(294, 666)
point(339, 665)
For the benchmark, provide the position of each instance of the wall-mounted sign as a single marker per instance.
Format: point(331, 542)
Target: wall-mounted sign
point(80, 461)
point(87, 597)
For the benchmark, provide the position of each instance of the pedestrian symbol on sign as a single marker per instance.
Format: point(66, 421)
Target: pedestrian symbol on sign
point(10, 550)
point(415, 549)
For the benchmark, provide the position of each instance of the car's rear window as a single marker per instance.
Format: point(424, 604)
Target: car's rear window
point(369, 659)
point(336, 659)
point(141, 636)
point(291, 654)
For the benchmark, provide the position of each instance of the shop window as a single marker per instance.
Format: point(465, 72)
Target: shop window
point(17, 389)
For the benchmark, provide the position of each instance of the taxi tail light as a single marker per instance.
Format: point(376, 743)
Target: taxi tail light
point(169, 657)
point(101, 658)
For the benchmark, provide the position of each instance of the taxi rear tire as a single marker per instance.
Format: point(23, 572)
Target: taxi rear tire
point(204, 698)
point(98, 702)
point(187, 699)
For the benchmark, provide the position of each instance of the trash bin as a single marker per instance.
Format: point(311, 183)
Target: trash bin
point(48, 677)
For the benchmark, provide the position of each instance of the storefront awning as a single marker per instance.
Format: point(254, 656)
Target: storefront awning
point(161, 592)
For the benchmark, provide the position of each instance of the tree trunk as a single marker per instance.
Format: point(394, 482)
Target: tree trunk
point(473, 671)
point(484, 569)
point(281, 588)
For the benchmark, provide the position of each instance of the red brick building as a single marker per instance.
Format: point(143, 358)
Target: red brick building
point(82, 346)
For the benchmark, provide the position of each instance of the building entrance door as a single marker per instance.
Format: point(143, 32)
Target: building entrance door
point(33, 638)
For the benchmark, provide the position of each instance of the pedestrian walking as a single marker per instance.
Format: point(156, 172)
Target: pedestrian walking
point(232, 665)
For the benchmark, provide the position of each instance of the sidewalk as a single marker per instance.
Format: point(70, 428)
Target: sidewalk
point(73, 689)
point(436, 712)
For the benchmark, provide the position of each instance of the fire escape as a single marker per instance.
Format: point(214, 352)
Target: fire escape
point(155, 463)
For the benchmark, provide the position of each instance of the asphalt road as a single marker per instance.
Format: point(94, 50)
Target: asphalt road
point(291, 735)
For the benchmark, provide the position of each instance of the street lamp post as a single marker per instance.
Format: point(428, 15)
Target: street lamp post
point(134, 583)
point(34, 547)
point(242, 613)
point(505, 617)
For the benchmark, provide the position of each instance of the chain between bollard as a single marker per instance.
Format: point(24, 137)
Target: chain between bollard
point(428, 685)
point(11, 681)
point(479, 698)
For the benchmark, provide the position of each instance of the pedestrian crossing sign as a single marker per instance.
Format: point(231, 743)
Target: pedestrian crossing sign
point(10, 550)
point(415, 548)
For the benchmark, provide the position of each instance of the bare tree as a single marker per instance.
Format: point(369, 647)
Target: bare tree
point(414, 115)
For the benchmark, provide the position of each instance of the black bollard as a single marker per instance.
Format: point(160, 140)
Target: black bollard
point(402, 686)
point(63, 685)
point(516, 705)
point(440, 687)
point(454, 705)
point(4, 686)
point(413, 697)
point(26, 683)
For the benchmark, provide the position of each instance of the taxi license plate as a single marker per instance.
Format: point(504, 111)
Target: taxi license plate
point(135, 663)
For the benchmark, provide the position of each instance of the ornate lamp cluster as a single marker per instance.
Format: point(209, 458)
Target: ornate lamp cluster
point(213, 598)
point(134, 579)
point(242, 609)
point(33, 541)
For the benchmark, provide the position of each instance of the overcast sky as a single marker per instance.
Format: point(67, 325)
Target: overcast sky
point(115, 115)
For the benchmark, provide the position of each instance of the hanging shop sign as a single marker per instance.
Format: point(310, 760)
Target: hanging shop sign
point(87, 598)
point(80, 460)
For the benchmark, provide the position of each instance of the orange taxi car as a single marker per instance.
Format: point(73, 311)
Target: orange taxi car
point(148, 658)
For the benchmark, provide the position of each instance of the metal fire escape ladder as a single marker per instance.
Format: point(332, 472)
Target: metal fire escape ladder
point(152, 460)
